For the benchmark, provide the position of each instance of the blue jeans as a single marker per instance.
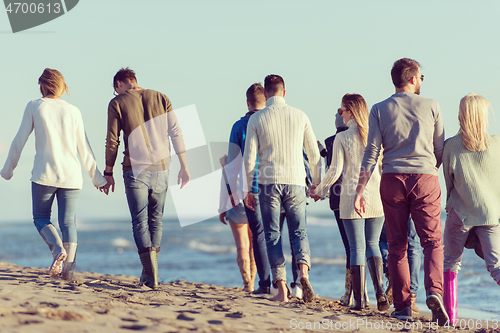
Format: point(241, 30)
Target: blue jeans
point(414, 250)
point(259, 244)
point(455, 237)
point(146, 195)
point(293, 200)
point(42, 199)
point(364, 237)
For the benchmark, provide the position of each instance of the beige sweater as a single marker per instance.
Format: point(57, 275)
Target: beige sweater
point(278, 133)
point(347, 154)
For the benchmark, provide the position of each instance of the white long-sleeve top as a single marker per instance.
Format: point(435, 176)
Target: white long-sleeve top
point(347, 154)
point(278, 134)
point(59, 139)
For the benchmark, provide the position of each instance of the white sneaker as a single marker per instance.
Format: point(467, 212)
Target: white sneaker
point(297, 291)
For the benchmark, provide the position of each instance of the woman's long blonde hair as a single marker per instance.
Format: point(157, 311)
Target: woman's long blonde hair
point(52, 83)
point(473, 118)
point(359, 110)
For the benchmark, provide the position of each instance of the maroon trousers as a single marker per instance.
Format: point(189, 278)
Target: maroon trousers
point(420, 196)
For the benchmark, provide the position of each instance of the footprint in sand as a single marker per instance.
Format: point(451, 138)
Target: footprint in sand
point(182, 316)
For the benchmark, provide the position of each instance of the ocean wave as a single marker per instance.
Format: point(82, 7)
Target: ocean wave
point(211, 248)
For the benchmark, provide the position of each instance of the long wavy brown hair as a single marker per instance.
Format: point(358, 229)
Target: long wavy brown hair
point(359, 110)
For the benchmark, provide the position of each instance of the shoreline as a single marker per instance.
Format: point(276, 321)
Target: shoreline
point(94, 302)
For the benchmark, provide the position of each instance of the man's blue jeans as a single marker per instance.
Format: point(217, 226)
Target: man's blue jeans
point(414, 250)
point(146, 195)
point(293, 199)
point(364, 237)
point(259, 244)
point(42, 199)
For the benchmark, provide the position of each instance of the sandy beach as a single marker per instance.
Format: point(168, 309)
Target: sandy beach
point(33, 302)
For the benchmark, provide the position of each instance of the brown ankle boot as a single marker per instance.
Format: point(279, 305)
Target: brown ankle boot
point(414, 308)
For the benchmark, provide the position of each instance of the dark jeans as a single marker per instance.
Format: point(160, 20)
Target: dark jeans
point(259, 244)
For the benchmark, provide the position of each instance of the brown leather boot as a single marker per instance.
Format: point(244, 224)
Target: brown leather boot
point(358, 287)
point(347, 298)
point(414, 308)
point(375, 266)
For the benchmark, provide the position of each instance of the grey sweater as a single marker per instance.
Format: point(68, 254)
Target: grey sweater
point(410, 130)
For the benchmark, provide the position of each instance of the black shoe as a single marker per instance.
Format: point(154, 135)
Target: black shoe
point(403, 314)
point(434, 302)
point(262, 291)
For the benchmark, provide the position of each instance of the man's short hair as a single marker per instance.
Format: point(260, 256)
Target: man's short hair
point(255, 94)
point(124, 75)
point(403, 70)
point(273, 83)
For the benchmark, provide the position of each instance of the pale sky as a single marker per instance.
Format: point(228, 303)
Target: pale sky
point(207, 53)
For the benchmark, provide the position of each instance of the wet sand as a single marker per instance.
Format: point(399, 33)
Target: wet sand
point(30, 301)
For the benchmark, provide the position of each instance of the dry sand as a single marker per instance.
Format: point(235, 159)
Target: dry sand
point(30, 301)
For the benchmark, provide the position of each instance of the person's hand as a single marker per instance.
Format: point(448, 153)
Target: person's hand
point(312, 193)
point(183, 177)
point(6, 175)
point(222, 217)
point(250, 201)
point(359, 204)
point(110, 183)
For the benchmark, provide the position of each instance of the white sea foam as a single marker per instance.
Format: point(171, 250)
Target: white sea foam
point(211, 248)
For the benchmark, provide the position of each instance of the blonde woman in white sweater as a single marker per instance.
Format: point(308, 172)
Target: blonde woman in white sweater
point(59, 140)
point(363, 233)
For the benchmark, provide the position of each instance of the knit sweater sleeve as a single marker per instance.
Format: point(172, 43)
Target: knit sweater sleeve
point(113, 134)
point(312, 152)
point(86, 155)
point(448, 167)
point(374, 142)
point(175, 133)
point(335, 169)
point(438, 136)
point(18, 144)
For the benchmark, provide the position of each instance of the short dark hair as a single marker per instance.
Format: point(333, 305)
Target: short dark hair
point(255, 94)
point(124, 75)
point(273, 83)
point(403, 70)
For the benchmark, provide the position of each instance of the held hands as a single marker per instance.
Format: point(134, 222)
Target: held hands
point(312, 193)
point(359, 204)
point(105, 188)
point(250, 201)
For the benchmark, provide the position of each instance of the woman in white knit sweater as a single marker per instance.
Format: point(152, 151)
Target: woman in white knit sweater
point(470, 164)
point(59, 140)
point(363, 233)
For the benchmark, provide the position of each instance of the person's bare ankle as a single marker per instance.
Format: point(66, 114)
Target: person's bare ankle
point(282, 292)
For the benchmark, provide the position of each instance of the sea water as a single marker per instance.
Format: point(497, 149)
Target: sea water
point(205, 252)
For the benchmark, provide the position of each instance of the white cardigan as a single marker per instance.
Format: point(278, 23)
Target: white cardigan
point(347, 153)
point(59, 139)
